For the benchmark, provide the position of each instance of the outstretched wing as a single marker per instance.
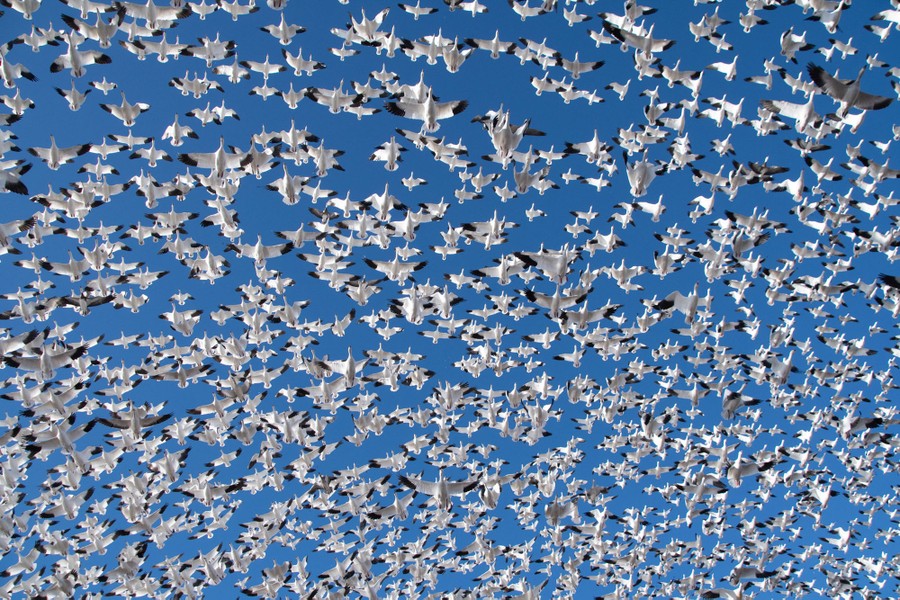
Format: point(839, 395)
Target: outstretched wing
point(425, 487)
point(872, 102)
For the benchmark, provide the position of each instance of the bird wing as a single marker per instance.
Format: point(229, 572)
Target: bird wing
point(204, 160)
point(833, 86)
point(872, 102)
point(660, 45)
point(412, 110)
point(460, 487)
point(426, 487)
point(789, 109)
point(71, 152)
point(890, 280)
point(276, 250)
point(674, 300)
point(624, 36)
point(445, 110)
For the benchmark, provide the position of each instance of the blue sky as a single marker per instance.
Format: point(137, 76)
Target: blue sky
point(629, 452)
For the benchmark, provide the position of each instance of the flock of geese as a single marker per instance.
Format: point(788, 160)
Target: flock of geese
point(449, 310)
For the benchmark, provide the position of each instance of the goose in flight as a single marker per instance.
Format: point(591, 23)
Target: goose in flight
point(156, 16)
point(62, 436)
point(335, 99)
point(641, 174)
point(55, 156)
point(847, 92)
point(301, 65)
point(10, 72)
point(136, 418)
point(553, 264)
point(804, 115)
point(428, 111)
point(76, 60)
point(687, 305)
point(645, 42)
point(218, 161)
point(494, 45)
point(126, 112)
point(365, 31)
point(441, 490)
point(260, 252)
point(417, 10)
point(284, 32)
point(49, 358)
point(102, 31)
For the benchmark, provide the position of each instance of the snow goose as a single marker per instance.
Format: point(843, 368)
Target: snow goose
point(687, 305)
point(76, 60)
point(265, 68)
point(176, 133)
point(55, 156)
point(645, 42)
point(335, 99)
point(847, 92)
point(283, 32)
point(300, 64)
point(493, 45)
point(389, 153)
point(50, 358)
point(365, 31)
point(441, 490)
point(125, 112)
point(218, 161)
point(417, 10)
point(804, 115)
point(641, 175)
point(155, 16)
point(101, 31)
point(428, 111)
point(524, 10)
point(791, 43)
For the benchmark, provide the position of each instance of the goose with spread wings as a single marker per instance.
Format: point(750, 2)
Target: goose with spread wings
point(428, 111)
point(217, 161)
point(643, 41)
point(155, 16)
point(804, 115)
point(76, 60)
point(848, 92)
point(54, 156)
point(441, 490)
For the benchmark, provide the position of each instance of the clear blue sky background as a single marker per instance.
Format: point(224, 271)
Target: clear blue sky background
point(861, 471)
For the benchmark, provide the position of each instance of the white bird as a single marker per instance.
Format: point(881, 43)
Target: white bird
point(804, 115)
point(55, 156)
point(283, 32)
point(10, 72)
point(429, 111)
point(301, 65)
point(156, 16)
point(218, 162)
point(641, 174)
point(687, 305)
point(441, 490)
point(50, 358)
point(847, 92)
point(125, 112)
point(643, 42)
point(76, 60)
point(418, 10)
point(389, 153)
point(493, 45)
